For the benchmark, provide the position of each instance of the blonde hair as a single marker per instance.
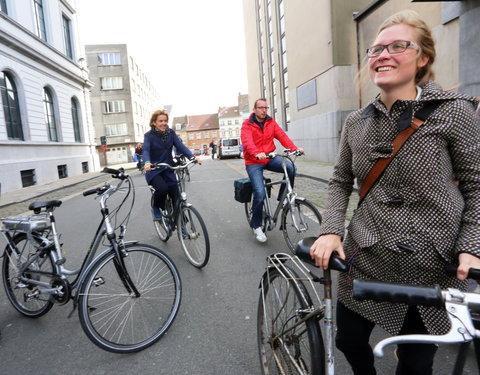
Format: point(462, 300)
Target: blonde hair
point(425, 40)
point(156, 114)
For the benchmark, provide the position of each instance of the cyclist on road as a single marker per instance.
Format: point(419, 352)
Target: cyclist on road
point(157, 148)
point(258, 133)
point(422, 213)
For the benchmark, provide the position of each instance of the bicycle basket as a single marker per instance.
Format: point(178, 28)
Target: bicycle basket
point(243, 190)
point(33, 223)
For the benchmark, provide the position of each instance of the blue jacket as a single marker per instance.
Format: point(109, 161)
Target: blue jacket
point(156, 150)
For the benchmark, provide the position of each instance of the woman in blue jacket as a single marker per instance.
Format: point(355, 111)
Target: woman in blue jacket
point(157, 148)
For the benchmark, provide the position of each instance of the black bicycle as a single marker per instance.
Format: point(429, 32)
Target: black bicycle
point(183, 217)
point(127, 296)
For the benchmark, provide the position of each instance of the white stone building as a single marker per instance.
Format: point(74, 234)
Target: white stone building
point(45, 129)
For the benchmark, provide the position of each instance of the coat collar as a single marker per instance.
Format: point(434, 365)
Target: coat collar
point(253, 120)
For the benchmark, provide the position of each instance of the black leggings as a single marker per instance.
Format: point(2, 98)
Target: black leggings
point(161, 190)
point(352, 338)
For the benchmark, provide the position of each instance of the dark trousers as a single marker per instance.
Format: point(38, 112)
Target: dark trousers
point(353, 334)
point(162, 188)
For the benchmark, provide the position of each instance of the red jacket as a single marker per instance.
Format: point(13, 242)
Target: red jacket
point(256, 140)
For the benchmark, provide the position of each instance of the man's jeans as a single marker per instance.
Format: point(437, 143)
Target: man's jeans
point(255, 173)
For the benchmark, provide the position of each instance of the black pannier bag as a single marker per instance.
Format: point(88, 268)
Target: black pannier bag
point(243, 190)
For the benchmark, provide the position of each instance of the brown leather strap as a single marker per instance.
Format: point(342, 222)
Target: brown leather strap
point(381, 164)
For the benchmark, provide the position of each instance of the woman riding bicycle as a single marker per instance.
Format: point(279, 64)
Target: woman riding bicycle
point(157, 148)
point(423, 210)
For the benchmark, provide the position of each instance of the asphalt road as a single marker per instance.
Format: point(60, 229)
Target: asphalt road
point(215, 330)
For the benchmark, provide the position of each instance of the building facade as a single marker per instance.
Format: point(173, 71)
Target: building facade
point(201, 130)
point(123, 99)
point(230, 122)
point(46, 131)
point(304, 60)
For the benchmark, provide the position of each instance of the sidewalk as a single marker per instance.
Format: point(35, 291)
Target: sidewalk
point(31, 192)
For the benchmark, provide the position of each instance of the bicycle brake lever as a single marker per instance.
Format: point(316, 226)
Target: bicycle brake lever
point(462, 330)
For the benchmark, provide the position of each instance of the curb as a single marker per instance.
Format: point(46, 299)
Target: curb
point(321, 179)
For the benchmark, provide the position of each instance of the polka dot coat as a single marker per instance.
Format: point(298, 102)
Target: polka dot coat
point(421, 213)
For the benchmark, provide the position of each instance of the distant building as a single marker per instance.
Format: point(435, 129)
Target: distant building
point(123, 100)
point(45, 129)
point(243, 105)
point(230, 122)
point(201, 130)
point(179, 124)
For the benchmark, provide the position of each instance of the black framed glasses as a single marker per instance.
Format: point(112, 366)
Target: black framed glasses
point(266, 108)
point(397, 46)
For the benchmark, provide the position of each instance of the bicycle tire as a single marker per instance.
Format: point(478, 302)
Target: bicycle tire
point(187, 174)
point(162, 226)
point(193, 235)
point(308, 219)
point(285, 347)
point(115, 320)
point(18, 295)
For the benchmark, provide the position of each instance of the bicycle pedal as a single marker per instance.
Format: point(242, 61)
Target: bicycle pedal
point(60, 261)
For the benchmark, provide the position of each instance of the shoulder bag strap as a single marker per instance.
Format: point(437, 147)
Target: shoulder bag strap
point(381, 164)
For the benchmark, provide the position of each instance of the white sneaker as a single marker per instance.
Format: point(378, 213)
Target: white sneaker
point(259, 235)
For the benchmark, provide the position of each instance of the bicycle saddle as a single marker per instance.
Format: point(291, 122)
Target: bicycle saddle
point(36, 207)
point(302, 250)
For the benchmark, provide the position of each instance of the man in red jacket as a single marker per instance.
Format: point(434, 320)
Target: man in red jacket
point(258, 133)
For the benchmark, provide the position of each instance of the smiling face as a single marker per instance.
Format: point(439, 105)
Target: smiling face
point(396, 71)
point(161, 123)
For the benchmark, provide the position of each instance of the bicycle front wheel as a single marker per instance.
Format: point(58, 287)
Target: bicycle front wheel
point(23, 295)
point(248, 213)
point(163, 226)
point(287, 343)
point(115, 319)
point(193, 236)
point(299, 221)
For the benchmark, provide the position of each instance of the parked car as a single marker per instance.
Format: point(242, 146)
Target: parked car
point(229, 147)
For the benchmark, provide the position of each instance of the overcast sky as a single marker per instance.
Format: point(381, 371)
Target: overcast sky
point(192, 50)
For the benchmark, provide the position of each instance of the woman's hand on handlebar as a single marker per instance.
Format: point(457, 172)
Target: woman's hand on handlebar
point(148, 167)
point(323, 248)
point(465, 262)
point(198, 160)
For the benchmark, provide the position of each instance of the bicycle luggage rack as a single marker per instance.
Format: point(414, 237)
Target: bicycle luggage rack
point(278, 260)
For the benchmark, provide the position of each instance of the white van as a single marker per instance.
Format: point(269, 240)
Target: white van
point(229, 147)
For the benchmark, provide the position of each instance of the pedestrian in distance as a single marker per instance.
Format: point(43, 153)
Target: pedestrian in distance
point(414, 219)
point(257, 134)
point(158, 148)
point(139, 156)
point(213, 146)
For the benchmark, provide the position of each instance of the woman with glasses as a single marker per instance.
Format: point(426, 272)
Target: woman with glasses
point(421, 213)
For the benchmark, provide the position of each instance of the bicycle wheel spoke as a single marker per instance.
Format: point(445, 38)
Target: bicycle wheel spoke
point(299, 221)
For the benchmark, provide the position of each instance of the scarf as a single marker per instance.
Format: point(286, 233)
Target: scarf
point(162, 134)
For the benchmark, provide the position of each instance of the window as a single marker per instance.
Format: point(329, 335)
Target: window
point(206, 135)
point(76, 121)
point(178, 126)
point(67, 36)
point(3, 6)
point(50, 115)
point(191, 136)
point(84, 166)
point(114, 106)
point(214, 134)
point(62, 171)
point(237, 122)
point(28, 177)
point(39, 20)
point(115, 129)
point(111, 83)
point(11, 108)
point(112, 58)
point(199, 135)
point(229, 122)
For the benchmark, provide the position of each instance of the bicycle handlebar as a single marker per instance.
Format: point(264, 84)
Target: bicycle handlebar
point(157, 165)
point(302, 250)
point(98, 190)
point(409, 294)
point(473, 273)
point(286, 153)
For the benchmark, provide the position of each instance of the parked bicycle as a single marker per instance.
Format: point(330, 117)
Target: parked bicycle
point(299, 218)
point(127, 296)
point(183, 217)
point(290, 340)
point(462, 309)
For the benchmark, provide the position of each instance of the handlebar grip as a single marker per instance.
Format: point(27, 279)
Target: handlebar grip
point(451, 270)
point(111, 171)
point(409, 294)
point(302, 250)
point(90, 192)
